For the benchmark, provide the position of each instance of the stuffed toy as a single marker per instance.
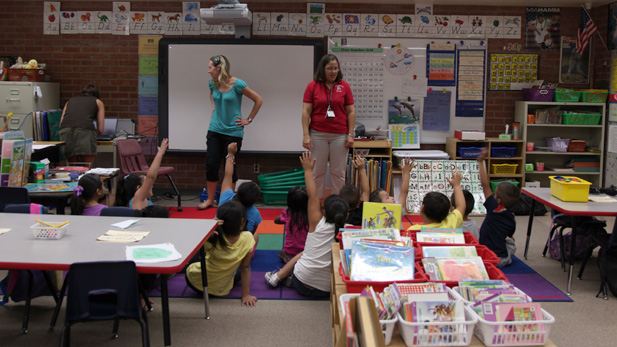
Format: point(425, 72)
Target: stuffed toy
point(32, 64)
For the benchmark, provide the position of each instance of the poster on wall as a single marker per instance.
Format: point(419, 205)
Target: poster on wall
point(612, 26)
point(404, 123)
point(574, 67)
point(542, 28)
point(512, 71)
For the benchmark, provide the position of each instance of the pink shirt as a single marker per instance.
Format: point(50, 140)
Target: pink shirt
point(339, 97)
point(294, 240)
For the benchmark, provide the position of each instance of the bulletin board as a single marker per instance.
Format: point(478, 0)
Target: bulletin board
point(512, 71)
point(392, 75)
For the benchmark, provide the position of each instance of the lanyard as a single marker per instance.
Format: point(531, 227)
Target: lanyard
point(329, 99)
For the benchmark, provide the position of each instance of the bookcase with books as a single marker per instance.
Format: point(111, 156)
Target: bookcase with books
point(378, 157)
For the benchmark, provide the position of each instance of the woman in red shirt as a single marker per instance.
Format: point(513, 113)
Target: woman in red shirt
point(328, 121)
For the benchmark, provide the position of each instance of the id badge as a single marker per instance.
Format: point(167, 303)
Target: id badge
point(330, 114)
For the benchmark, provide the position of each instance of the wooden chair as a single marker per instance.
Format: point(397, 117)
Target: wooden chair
point(133, 161)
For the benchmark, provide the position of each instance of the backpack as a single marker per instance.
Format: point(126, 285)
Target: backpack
point(587, 227)
point(523, 207)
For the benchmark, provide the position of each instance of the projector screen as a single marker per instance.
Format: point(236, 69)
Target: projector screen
point(278, 70)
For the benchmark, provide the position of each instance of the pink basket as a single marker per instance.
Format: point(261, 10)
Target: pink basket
point(538, 94)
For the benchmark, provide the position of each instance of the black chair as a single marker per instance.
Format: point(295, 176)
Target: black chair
point(13, 195)
point(103, 291)
point(25, 208)
point(118, 211)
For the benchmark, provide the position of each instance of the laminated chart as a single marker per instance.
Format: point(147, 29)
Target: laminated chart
point(430, 176)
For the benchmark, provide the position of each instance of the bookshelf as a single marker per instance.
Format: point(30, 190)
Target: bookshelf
point(377, 151)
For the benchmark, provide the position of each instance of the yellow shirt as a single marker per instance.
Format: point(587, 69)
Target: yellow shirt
point(221, 265)
point(453, 220)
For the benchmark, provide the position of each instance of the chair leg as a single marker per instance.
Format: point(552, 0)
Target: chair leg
point(24, 325)
point(177, 193)
point(562, 250)
point(145, 333)
point(584, 263)
point(116, 326)
point(548, 242)
point(65, 335)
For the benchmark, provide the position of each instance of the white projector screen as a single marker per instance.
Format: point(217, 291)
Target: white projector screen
point(278, 70)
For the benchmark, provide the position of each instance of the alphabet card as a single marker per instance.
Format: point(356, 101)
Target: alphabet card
point(190, 18)
point(155, 22)
point(369, 25)
point(261, 23)
point(121, 11)
point(85, 22)
point(280, 23)
point(138, 22)
point(334, 24)
point(103, 22)
point(173, 23)
point(351, 24)
point(430, 176)
point(387, 25)
point(297, 24)
point(51, 18)
point(405, 25)
point(68, 23)
point(315, 25)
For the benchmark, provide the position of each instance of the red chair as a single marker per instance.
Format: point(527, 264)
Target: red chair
point(133, 161)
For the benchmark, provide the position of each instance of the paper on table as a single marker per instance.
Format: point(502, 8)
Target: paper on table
point(103, 171)
point(123, 236)
point(125, 224)
point(4, 230)
point(152, 253)
point(601, 198)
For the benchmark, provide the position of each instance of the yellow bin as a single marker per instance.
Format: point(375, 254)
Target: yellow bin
point(569, 188)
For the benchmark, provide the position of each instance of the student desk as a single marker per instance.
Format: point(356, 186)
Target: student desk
point(573, 209)
point(20, 250)
point(338, 288)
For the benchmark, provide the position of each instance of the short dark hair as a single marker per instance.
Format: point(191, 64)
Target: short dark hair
point(351, 194)
point(374, 196)
point(248, 194)
point(470, 201)
point(153, 211)
point(90, 89)
point(508, 194)
point(320, 74)
point(436, 206)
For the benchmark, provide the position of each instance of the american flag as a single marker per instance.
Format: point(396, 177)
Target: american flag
point(585, 31)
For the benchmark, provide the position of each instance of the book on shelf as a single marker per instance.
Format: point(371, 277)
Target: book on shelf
point(379, 262)
point(367, 323)
point(351, 339)
point(470, 290)
point(441, 235)
point(449, 251)
point(424, 292)
point(379, 215)
point(455, 269)
point(437, 311)
point(350, 235)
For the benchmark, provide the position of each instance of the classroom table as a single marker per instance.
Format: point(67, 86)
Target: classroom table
point(19, 250)
point(572, 209)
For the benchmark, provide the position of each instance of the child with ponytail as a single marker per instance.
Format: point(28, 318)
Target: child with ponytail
point(86, 196)
point(309, 271)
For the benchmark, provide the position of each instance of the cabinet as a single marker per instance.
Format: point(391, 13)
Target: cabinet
point(555, 162)
point(495, 149)
point(21, 99)
point(378, 154)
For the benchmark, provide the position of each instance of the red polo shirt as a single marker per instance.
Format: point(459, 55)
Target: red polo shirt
point(317, 94)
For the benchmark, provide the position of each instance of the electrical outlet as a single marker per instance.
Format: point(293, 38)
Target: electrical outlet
point(256, 168)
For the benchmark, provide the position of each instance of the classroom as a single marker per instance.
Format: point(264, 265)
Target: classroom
point(146, 89)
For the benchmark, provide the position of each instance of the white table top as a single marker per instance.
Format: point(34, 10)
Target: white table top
point(589, 208)
point(20, 250)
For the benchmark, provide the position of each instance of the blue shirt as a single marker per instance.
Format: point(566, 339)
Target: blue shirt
point(150, 203)
point(253, 217)
point(227, 106)
point(498, 224)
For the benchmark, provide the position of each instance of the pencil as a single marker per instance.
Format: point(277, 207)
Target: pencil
point(61, 224)
point(45, 223)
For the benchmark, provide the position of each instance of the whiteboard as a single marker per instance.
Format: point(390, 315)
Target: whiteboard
point(278, 70)
point(393, 84)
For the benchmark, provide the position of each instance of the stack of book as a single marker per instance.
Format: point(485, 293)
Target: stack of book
point(16, 154)
point(441, 235)
point(455, 269)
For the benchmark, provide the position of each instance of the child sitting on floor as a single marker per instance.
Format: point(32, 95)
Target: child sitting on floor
point(469, 225)
point(86, 196)
point(295, 219)
point(227, 250)
point(497, 230)
point(309, 272)
point(135, 191)
point(435, 209)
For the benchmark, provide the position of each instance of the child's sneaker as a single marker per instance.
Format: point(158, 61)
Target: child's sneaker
point(272, 279)
point(286, 282)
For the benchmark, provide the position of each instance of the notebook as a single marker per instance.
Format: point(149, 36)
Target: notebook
point(109, 130)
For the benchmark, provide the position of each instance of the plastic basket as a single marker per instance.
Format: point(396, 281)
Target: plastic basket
point(503, 169)
point(30, 75)
point(378, 286)
point(548, 116)
point(511, 333)
point(581, 118)
point(598, 96)
point(459, 296)
point(469, 152)
point(502, 152)
point(491, 269)
point(494, 184)
point(42, 231)
point(387, 325)
point(279, 175)
point(577, 146)
point(567, 95)
point(538, 94)
point(557, 144)
point(438, 333)
point(568, 188)
point(275, 197)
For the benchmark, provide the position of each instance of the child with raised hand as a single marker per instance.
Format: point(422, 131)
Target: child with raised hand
point(435, 210)
point(86, 195)
point(354, 197)
point(497, 230)
point(469, 225)
point(248, 193)
point(309, 272)
point(227, 251)
point(134, 190)
point(295, 219)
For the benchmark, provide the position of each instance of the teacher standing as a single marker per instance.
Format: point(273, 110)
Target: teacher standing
point(227, 124)
point(328, 121)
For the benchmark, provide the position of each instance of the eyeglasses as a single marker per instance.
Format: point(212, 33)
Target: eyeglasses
point(332, 69)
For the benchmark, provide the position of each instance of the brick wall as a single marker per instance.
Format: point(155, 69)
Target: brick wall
point(110, 62)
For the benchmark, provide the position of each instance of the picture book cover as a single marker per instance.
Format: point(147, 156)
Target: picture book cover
point(438, 311)
point(378, 262)
point(440, 238)
point(442, 230)
point(431, 268)
point(449, 251)
point(27, 157)
point(16, 173)
point(456, 269)
point(349, 236)
point(517, 312)
point(427, 287)
point(378, 215)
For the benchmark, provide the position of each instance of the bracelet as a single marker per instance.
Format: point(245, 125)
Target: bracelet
point(350, 135)
point(250, 120)
point(228, 156)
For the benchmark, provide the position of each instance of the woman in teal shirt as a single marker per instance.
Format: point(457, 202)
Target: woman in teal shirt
point(227, 124)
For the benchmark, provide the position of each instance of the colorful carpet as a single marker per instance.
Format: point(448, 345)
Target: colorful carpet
point(532, 283)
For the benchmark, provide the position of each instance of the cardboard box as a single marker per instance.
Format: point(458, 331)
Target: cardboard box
point(532, 184)
point(470, 135)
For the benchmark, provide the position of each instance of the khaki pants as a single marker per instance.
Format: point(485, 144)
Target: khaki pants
point(329, 147)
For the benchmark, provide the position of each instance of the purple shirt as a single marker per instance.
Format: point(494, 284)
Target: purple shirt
point(93, 210)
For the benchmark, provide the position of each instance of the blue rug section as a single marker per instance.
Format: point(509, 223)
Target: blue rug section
point(265, 260)
point(517, 267)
